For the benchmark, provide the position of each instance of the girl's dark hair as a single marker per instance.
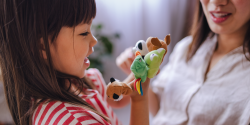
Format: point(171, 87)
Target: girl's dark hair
point(26, 75)
point(200, 31)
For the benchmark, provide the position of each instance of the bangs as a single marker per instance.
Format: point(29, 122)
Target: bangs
point(81, 11)
point(68, 13)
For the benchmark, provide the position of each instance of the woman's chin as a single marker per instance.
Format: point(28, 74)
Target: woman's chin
point(220, 29)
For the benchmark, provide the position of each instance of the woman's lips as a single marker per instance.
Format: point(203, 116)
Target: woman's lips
point(219, 17)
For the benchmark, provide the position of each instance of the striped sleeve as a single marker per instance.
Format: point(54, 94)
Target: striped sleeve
point(96, 77)
point(60, 113)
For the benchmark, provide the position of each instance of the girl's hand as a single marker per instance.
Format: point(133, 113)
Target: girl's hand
point(125, 59)
point(139, 105)
point(135, 96)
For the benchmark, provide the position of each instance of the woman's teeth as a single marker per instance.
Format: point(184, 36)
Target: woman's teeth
point(218, 15)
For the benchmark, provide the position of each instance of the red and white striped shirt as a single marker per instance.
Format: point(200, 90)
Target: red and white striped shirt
point(61, 113)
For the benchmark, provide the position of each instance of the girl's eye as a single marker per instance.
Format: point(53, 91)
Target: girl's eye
point(84, 34)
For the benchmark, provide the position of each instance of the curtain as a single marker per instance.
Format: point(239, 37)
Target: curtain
point(140, 19)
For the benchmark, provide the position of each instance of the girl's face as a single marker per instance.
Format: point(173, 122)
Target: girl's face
point(71, 48)
point(227, 16)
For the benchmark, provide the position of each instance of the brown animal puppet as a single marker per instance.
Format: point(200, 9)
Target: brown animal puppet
point(153, 43)
point(116, 89)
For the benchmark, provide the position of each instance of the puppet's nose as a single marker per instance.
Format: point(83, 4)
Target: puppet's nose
point(115, 96)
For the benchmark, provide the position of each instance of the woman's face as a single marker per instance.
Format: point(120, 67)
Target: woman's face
point(71, 48)
point(227, 16)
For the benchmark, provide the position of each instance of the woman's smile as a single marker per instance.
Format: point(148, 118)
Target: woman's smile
point(219, 17)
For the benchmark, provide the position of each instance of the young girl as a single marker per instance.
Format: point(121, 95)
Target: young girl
point(206, 81)
point(43, 53)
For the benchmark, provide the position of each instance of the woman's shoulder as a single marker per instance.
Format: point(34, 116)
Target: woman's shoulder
point(183, 44)
point(181, 49)
point(57, 112)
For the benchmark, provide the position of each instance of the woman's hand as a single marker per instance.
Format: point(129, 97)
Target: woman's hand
point(125, 59)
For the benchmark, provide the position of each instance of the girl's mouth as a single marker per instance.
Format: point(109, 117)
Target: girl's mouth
point(219, 17)
point(86, 62)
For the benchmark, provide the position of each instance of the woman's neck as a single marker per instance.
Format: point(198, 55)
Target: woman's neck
point(228, 42)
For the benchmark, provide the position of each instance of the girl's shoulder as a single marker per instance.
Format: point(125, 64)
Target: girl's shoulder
point(96, 77)
point(58, 113)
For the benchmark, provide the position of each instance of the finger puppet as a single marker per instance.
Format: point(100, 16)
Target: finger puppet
point(138, 87)
point(153, 43)
point(116, 89)
point(153, 60)
point(141, 46)
point(149, 56)
point(139, 67)
point(140, 70)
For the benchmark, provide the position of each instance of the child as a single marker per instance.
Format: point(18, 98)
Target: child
point(44, 50)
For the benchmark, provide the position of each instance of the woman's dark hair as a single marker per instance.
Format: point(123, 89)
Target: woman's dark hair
point(26, 75)
point(200, 31)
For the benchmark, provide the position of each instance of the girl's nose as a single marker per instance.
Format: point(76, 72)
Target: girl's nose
point(93, 41)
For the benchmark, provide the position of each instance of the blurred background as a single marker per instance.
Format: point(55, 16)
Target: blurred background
point(119, 24)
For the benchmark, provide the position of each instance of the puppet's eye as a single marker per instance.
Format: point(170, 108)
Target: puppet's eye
point(152, 56)
point(140, 59)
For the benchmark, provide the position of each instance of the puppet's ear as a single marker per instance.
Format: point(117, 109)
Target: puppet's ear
point(167, 39)
point(156, 42)
point(126, 89)
point(112, 79)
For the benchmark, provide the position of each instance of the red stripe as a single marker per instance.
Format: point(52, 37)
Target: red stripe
point(107, 105)
point(84, 118)
point(58, 108)
point(69, 120)
point(45, 112)
point(88, 101)
point(112, 114)
point(93, 80)
point(89, 74)
point(74, 112)
point(78, 123)
point(98, 75)
point(74, 108)
point(101, 106)
point(116, 121)
point(37, 112)
point(60, 117)
point(95, 124)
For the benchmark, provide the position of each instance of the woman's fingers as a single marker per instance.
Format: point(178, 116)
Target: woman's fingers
point(125, 59)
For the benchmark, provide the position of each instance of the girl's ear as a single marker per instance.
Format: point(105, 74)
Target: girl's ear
point(42, 48)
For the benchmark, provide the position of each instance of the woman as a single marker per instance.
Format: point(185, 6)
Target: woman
point(206, 80)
